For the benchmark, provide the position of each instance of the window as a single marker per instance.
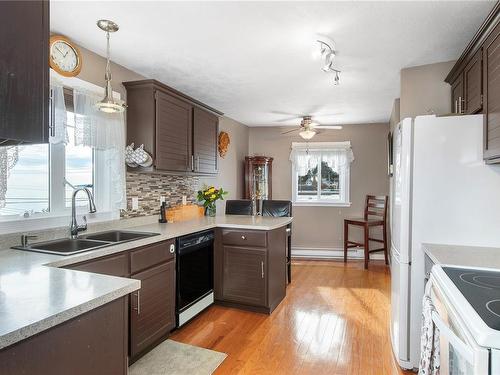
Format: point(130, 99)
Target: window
point(38, 182)
point(320, 173)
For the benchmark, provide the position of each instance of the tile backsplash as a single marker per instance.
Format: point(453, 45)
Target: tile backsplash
point(150, 187)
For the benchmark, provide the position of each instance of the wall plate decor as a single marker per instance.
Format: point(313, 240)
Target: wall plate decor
point(224, 142)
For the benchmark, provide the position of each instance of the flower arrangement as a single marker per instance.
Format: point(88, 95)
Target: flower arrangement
point(209, 195)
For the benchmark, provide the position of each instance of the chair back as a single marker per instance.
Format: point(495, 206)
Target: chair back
point(239, 207)
point(376, 206)
point(277, 208)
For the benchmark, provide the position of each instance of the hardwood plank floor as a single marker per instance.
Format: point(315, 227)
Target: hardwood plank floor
point(334, 320)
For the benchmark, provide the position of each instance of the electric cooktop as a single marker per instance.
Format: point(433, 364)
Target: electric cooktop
point(481, 288)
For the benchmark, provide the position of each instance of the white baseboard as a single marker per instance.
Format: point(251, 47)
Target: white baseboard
point(331, 253)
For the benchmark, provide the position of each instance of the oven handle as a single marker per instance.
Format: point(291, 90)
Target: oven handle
point(457, 343)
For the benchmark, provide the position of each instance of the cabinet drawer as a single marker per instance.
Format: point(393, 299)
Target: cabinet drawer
point(244, 238)
point(149, 256)
point(115, 265)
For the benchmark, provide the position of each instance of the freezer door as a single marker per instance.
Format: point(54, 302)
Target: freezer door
point(400, 329)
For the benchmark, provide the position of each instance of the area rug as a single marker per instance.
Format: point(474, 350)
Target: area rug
point(174, 358)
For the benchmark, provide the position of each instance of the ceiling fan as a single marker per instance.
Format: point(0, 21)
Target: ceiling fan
point(309, 128)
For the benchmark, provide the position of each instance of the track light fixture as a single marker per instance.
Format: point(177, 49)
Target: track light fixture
point(328, 53)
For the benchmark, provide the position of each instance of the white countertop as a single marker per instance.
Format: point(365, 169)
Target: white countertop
point(36, 295)
point(466, 256)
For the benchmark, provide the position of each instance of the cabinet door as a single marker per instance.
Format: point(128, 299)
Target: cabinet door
point(24, 71)
point(205, 132)
point(173, 133)
point(473, 84)
point(491, 95)
point(152, 308)
point(244, 275)
point(457, 94)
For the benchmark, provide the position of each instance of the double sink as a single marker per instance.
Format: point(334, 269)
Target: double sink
point(70, 246)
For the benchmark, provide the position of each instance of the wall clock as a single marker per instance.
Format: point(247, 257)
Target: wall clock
point(64, 56)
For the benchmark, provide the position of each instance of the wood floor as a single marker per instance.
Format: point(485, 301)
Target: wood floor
point(334, 320)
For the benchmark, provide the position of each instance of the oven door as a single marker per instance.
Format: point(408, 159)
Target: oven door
point(459, 353)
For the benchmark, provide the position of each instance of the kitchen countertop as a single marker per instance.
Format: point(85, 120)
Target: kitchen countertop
point(35, 294)
point(463, 256)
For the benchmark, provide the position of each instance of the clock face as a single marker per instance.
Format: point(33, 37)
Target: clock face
point(64, 56)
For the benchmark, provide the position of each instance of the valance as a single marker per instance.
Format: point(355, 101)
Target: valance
point(304, 156)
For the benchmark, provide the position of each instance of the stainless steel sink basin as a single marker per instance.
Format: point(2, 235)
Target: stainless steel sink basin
point(117, 236)
point(69, 246)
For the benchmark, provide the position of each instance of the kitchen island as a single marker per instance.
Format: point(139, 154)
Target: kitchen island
point(38, 295)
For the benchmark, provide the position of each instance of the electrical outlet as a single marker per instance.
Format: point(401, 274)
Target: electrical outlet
point(184, 200)
point(162, 199)
point(135, 203)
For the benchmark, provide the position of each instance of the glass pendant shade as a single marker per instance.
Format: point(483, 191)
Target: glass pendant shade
point(307, 133)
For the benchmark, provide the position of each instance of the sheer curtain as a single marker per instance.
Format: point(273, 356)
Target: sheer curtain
point(304, 156)
point(104, 132)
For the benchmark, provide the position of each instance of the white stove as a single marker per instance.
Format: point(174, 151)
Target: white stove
point(467, 302)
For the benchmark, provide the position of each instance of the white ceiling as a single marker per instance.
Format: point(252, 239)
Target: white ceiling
point(253, 60)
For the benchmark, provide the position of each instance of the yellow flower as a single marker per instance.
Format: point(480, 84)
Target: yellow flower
point(211, 190)
point(212, 196)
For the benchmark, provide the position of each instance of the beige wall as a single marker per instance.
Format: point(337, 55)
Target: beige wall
point(322, 227)
point(231, 167)
point(423, 90)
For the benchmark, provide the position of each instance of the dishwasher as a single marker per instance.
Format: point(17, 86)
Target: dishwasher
point(195, 275)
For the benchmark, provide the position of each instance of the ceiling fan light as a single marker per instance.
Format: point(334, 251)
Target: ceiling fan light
point(307, 133)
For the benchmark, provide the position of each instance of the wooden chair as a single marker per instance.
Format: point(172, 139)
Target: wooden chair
point(375, 215)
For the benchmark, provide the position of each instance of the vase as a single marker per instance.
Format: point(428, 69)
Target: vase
point(211, 210)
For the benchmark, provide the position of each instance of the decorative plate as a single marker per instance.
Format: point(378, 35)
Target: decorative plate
point(224, 142)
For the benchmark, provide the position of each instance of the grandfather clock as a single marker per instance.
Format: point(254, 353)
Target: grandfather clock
point(258, 178)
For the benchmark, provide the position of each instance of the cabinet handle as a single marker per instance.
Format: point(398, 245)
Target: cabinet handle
point(243, 238)
point(456, 107)
point(138, 308)
point(52, 115)
point(172, 248)
point(192, 162)
point(262, 269)
point(460, 104)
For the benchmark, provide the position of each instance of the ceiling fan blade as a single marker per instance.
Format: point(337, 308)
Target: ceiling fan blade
point(332, 127)
point(291, 131)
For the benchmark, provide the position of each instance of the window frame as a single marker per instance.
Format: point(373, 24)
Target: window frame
point(58, 216)
point(344, 178)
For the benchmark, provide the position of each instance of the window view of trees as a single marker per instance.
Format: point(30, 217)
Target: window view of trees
point(308, 183)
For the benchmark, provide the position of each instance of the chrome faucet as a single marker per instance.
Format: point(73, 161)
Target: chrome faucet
point(75, 228)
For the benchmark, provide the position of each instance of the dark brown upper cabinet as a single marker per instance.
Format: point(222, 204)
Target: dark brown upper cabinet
point(475, 87)
point(205, 132)
point(24, 72)
point(179, 131)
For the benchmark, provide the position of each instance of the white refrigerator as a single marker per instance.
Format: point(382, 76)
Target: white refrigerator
point(441, 192)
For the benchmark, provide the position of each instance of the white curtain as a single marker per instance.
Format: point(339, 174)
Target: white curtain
point(304, 156)
point(105, 132)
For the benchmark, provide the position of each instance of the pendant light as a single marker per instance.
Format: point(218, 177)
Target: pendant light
point(108, 104)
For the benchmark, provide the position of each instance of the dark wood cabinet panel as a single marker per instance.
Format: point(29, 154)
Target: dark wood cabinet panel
point(491, 88)
point(250, 268)
point(93, 343)
point(114, 265)
point(244, 277)
point(473, 84)
point(173, 133)
point(457, 94)
point(180, 132)
point(152, 308)
point(205, 132)
point(24, 71)
point(151, 255)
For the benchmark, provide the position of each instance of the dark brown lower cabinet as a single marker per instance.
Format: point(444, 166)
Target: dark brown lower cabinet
point(250, 268)
point(152, 308)
point(92, 343)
